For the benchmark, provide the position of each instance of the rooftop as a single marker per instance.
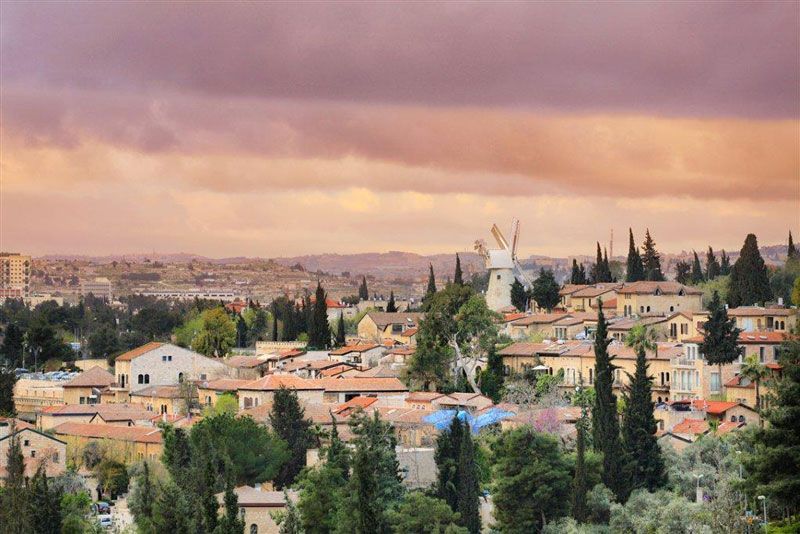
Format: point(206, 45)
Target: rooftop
point(96, 377)
point(138, 351)
point(135, 434)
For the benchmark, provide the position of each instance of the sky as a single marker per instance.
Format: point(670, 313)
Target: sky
point(255, 129)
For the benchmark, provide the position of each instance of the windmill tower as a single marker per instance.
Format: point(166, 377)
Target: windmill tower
point(503, 267)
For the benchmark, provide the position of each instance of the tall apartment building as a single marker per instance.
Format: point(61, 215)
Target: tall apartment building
point(15, 275)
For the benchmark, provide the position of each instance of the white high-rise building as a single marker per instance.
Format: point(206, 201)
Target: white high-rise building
point(15, 275)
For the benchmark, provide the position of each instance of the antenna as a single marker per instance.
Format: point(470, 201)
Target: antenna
point(611, 245)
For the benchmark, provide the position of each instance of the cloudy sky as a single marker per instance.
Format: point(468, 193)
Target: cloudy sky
point(267, 130)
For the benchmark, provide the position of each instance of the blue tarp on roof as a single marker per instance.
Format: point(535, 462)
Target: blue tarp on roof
point(441, 419)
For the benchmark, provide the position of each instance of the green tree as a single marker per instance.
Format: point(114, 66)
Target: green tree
point(532, 481)
point(171, 511)
point(45, 502)
point(458, 277)
point(639, 427)
point(7, 381)
point(683, 272)
point(287, 419)
point(374, 485)
point(605, 422)
point(724, 264)
point(519, 297)
point(774, 469)
point(218, 333)
point(104, 342)
point(749, 283)
point(446, 455)
point(75, 512)
point(634, 271)
point(14, 499)
point(112, 476)
point(580, 485)
point(363, 290)
point(320, 497)
point(430, 291)
point(697, 271)
point(468, 488)
point(320, 335)
point(418, 513)
point(578, 275)
point(545, 290)
point(493, 377)
point(795, 295)
point(720, 337)
point(391, 307)
point(274, 329)
point(756, 372)
point(651, 260)
point(602, 270)
point(791, 251)
point(142, 497)
point(340, 331)
point(712, 265)
point(289, 521)
point(13, 340)
point(210, 506)
point(241, 332)
point(231, 522)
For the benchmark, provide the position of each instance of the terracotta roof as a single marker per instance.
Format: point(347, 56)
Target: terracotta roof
point(666, 288)
point(19, 423)
point(761, 337)
point(626, 323)
point(384, 319)
point(596, 290)
point(410, 332)
point(403, 351)
point(538, 318)
point(361, 384)
point(136, 434)
point(94, 377)
point(275, 382)
point(729, 426)
point(354, 404)
point(714, 407)
point(166, 392)
point(423, 396)
point(736, 382)
point(774, 366)
point(335, 371)
point(610, 304)
point(758, 311)
point(109, 412)
point(313, 364)
point(347, 349)
point(379, 371)
point(223, 384)
point(287, 353)
point(138, 351)
point(508, 317)
point(250, 497)
point(245, 362)
point(691, 426)
point(569, 289)
point(523, 348)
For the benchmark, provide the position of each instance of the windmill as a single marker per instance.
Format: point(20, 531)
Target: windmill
point(503, 267)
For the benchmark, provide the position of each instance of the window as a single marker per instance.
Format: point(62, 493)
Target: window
point(761, 354)
point(733, 419)
point(55, 457)
point(202, 376)
point(164, 358)
point(169, 358)
point(33, 454)
point(684, 329)
point(180, 377)
point(648, 309)
point(776, 351)
point(146, 379)
point(498, 277)
point(253, 529)
point(163, 408)
point(27, 442)
point(208, 400)
point(741, 419)
point(672, 308)
point(641, 309)
point(715, 385)
point(140, 379)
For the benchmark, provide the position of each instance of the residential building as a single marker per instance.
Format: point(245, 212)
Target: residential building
point(209, 392)
point(339, 390)
point(663, 298)
point(770, 319)
point(248, 367)
point(98, 287)
point(131, 443)
point(38, 448)
point(258, 507)
point(85, 388)
point(15, 275)
point(363, 353)
point(379, 326)
point(261, 391)
point(110, 414)
point(169, 400)
point(31, 396)
point(586, 298)
point(162, 364)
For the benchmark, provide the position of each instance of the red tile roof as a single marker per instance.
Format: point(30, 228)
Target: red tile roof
point(347, 349)
point(96, 377)
point(365, 385)
point(275, 382)
point(736, 382)
point(760, 337)
point(665, 288)
point(245, 362)
point(223, 384)
point(728, 426)
point(138, 351)
point(423, 396)
point(713, 407)
point(354, 404)
point(691, 426)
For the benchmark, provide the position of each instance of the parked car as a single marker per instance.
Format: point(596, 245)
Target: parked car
point(105, 520)
point(101, 508)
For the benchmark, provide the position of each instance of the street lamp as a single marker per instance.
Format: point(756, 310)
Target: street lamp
point(741, 476)
point(764, 501)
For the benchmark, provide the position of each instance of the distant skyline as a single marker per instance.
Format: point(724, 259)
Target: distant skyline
point(268, 130)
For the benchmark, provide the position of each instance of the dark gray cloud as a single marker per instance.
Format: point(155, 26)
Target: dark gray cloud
point(689, 59)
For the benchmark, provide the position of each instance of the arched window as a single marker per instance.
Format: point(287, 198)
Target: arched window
point(733, 419)
point(140, 379)
point(180, 377)
point(741, 419)
point(146, 379)
point(253, 529)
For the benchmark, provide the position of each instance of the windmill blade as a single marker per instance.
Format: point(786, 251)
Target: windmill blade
point(498, 236)
point(514, 238)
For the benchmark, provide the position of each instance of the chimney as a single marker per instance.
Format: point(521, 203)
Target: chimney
point(257, 486)
point(780, 301)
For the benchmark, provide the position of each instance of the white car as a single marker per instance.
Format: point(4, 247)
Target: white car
point(104, 520)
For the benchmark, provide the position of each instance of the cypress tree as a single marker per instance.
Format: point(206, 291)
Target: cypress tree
point(363, 290)
point(340, 331)
point(519, 297)
point(274, 326)
point(431, 282)
point(712, 265)
point(724, 264)
point(697, 270)
point(575, 276)
point(582, 274)
point(607, 266)
point(321, 329)
point(337, 455)
point(545, 290)
point(468, 486)
point(791, 252)
point(14, 501)
point(492, 377)
point(458, 277)
point(720, 337)
point(635, 270)
point(45, 504)
point(602, 271)
point(580, 484)
point(230, 523)
point(638, 422)
point(651, 261)
point(287, 419)
point(683, 272)
point(391, 307)
point(241, 332)
point(605, 422)
point(446, 456)
point(749, 283)
point(209, 499)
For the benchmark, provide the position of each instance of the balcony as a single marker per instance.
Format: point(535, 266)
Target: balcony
point(683, 363)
